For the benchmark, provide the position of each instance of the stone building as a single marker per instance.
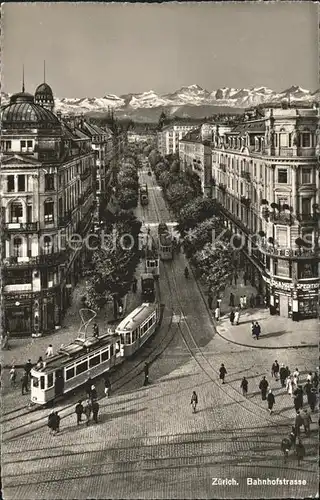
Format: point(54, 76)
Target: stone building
point(266, 176)
point(47, 198)
point(170, 135)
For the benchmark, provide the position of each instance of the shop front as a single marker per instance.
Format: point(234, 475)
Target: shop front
point(18, 316)
point(308, 305)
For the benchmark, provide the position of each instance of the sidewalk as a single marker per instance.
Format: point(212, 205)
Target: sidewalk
point(276, 332)
point(22, 349)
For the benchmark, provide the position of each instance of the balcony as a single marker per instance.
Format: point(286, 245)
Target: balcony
point(22, 226)
point(281, 218)
point(53, 258)
point(245, 201)
point(85, 174)
point(246, 176)
point(308, 218)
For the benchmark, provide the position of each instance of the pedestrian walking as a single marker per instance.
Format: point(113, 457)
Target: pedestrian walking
point(235, 278)
point(134, 285)
point(95, 330)
point(49, 351)
point(79, 411)
point(194, 401)
point(298, 422)
point(300, 451)
point(237, 316)
point(244, 386)
point(296, 375)
point(52, 422)
point(315, 380)
point(285, 448)
point(309, 377)
point(275, 370)
point(95, 411)
point(231, 300)
point(257, 330)
point(271, 401)
point(88, 385)
point(283, 375)
point(232, 317)
point(28, 368)
point(146, 374)
point(263, 386)
point(289, 386)
point(13, 376)
point(87, 411)
point(253, 329)
point(107, 386)
point(222, 372)
point(217, 313)
point(288, 371)
point(24, 383)
point(306, 417)
point(241, 302)
point(312, 400)
point(57, 420)
point(93, 393)
point(294, 384)
point(244, 300)
point(245, 279)
point(293, 436)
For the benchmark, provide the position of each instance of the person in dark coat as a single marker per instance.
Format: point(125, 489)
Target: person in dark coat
point(275, 370)
point(24, 383)
point(298, 423)
point(95, 411)
point(300, 451)
point(306, 421)
point(283, 375)
point(222, 372)
point(263, 386)
point(312, 400)
point(51, 421)
point(231, 300)
point(88, 385)
point(232, 317)
point(93, 393)
point(28, 367)
point(271, 400)
point(146, 374)
point(58, 418)
point(244, 386)
point(79, 411)
point(293, 436)
point(298, 397)
point(252, 301)
point(134, 284)
point(257, 330)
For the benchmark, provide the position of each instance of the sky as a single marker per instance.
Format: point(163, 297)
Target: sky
point(97, 49)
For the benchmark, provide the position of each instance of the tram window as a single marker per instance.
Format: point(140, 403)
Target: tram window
point(94, 361)
point(135, 335)
point(35, 382)
point(70, 373)
point(111, 350)
point(117, 347)
point(128, 339)
point(50, 380)
point(105, 355)
point(42, 382)
point(82, 367)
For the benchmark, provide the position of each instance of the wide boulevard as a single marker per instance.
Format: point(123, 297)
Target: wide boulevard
point(148, 443)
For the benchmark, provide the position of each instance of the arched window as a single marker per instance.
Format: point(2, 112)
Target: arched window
point(16, 211)
point(48, 211)
point(47, 245)
point(17, 247)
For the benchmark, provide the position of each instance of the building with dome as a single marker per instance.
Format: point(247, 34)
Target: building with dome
point(47, 195)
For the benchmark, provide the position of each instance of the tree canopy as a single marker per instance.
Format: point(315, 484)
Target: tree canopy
point(204, 232)
point(196, 211)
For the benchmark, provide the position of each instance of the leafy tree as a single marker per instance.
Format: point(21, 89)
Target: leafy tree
point(166, 179)
point(194, 182)
point(111, 272)
point(178, 195)
point(127, 182)
point(154, 157)
point(175, 166)
point(204, 232)
point(127, 198)
point(196, 211)
point(216, 265)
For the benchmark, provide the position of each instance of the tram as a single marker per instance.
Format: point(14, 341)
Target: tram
point(138, 327)
point(73, 365)
point(147, 287)
point(162, 228)
point(144, 198)
point(165, 246)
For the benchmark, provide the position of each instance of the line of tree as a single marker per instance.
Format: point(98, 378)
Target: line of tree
point(127, 185)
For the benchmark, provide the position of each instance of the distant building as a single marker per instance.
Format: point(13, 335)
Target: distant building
point(170, 135)
point(266, 176)
point(47, 195)
point(137, 137)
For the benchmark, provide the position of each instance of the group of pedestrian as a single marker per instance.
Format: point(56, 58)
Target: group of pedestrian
point(267, 394)
point(235, 316)
point(25, 378)
point(255, 329)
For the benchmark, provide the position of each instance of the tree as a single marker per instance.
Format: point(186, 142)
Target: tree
point(178, 195)
point(196, 211)
point(216, 265)
point(111, 273)
point(154, 157)
point(127, 198)
point(194, 182)
point(175, 166)
point(166, 179)
point(204, 232)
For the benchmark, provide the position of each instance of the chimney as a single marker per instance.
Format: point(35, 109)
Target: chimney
point(59, 115)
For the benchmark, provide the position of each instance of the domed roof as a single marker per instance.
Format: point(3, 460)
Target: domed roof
point(23, 109)
point(43, 90)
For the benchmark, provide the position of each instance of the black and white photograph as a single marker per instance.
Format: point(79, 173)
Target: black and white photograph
point(160, 250)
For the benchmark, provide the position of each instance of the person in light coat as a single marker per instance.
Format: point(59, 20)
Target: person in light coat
point(237, 316)
point(289, 387)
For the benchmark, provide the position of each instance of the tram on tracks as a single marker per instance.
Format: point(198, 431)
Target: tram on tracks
point(91, 357)
point(72, 366)
point(138, 327)
point(144, 197)
point(151, 254)
point(165, 246)
point(147, 287)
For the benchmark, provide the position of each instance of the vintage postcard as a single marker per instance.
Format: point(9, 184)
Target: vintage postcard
point(160, 264)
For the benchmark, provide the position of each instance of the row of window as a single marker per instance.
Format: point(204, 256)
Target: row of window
point(26, 146)
point(24, 183)
point(282, 175)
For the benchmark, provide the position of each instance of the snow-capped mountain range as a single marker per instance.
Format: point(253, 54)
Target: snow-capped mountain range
point(192, 95)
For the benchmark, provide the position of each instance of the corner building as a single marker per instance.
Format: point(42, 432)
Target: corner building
point(267, 183)
point(47, 195)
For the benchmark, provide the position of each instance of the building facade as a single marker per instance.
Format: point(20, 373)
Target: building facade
point(170, 135)
point(266, 176)
point(47, 203)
